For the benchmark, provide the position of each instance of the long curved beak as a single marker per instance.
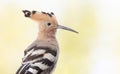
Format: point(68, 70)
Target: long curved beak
point(66, 28)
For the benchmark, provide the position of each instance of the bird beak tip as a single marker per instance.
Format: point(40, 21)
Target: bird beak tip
point(77, 32)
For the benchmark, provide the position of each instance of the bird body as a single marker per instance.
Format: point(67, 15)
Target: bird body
point(41, 56)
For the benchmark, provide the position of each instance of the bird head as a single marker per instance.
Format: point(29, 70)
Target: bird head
point(47, 21)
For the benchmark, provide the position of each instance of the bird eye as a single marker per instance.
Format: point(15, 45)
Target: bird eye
point(48, 24)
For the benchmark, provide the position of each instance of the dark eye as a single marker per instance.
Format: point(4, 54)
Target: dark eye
point(48, 24)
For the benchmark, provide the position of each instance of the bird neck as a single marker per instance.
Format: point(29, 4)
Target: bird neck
point(47, 39)
point(46, 36)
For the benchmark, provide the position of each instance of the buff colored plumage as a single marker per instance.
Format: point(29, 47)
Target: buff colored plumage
point(42, 55)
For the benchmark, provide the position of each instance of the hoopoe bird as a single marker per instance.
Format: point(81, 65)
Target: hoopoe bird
point(42, 55)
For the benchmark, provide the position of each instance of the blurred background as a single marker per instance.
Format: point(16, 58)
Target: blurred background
point(95, 50)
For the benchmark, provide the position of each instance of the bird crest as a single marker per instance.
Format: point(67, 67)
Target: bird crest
point(43, 16)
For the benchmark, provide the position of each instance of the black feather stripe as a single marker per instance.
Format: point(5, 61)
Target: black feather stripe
point(48, 50)
point(45, 62)
point(25, 52)
point(23, 69)
point(28, 72)
point(43, 12)
point(54, 53)
point(49, 14)
point(38, 69)
point(33, 57)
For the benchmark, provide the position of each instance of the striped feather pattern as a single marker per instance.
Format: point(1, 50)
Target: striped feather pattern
point(37, 60)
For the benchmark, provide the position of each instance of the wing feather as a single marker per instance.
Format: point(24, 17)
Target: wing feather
point(38, 60)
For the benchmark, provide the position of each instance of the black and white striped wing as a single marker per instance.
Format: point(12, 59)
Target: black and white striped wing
point(38, 60)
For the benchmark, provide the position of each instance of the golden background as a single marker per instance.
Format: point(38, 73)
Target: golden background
point(95, 50)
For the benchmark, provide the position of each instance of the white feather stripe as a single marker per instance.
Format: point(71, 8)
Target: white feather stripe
point(22, 68)
point(32, 61)
point(34, 71)
point(49, 56)
point(36, 52)
point(28, 53)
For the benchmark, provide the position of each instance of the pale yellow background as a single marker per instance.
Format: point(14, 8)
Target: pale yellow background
point(95, 50)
